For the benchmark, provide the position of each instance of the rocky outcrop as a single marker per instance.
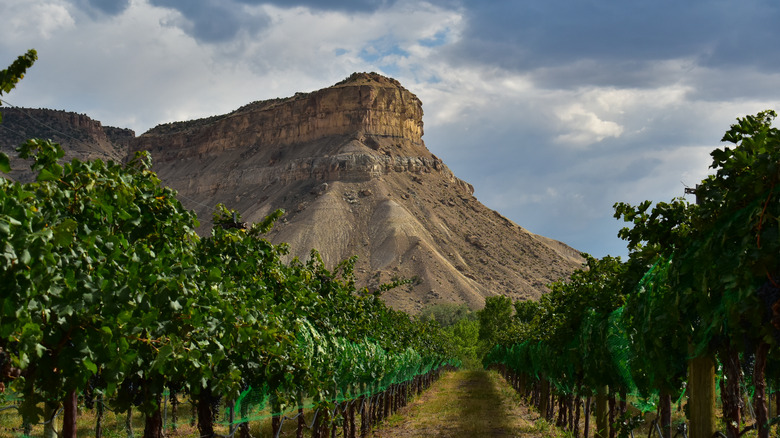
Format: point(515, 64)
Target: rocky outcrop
point(367, 106)
point(83, 137)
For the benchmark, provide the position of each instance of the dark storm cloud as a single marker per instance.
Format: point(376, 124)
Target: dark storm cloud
point(109, 7)
point(221, 20)
point(213, 21)
point(621, 74)
point(346, 5)
point(623, 39)
point(327, 5)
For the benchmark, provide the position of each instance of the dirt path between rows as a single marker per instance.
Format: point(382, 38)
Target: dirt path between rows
point(465, 404)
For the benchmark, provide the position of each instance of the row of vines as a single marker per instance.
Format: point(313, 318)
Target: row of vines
point(693, 313)
point(107, 288)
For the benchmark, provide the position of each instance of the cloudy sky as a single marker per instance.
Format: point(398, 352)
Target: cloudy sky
point(553, 109)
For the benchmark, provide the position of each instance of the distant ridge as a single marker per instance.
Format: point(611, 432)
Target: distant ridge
point(85, 138)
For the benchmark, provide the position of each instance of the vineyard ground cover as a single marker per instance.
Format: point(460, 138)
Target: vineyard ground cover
point(261, 421)
point(115, 424)
point(482, 404)
point(468, 403)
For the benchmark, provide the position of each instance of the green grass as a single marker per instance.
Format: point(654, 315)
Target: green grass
point(467, 403)
point(114, 424)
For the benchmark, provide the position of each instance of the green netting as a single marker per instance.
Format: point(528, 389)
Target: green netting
point(619, 349)
point(355, 369)
point(610, 350)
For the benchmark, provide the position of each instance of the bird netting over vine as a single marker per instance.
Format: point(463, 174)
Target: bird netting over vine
point(614, 349)
point(355, 370)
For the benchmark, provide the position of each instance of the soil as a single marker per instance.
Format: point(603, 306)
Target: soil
point(465, 404)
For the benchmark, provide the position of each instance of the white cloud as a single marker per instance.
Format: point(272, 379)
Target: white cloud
point(25, 20)
point(139, 69)
point(677, 168)
point(330, 45)
point(471, 94)
point(584, 127)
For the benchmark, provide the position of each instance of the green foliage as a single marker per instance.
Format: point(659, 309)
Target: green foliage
point(465, 336)
point(15, 72)
point(461, 329)
point(95, 279)
point(526, 310)
point(447, 314)
point(659, 338)
point(8, 80)
point(738, 240)
point(494, 319)
point(665, 228)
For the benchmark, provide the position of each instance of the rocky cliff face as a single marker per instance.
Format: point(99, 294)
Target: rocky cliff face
point(83, 137)
point(367, 104)
point(358, 129)
point(349, 166)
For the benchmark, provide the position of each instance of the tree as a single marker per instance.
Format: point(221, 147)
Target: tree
point(494, 319)
point(526, 310)
point(447, 314)
point(465, 336)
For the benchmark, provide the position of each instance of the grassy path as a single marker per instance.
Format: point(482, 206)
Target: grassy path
point(466, 404)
